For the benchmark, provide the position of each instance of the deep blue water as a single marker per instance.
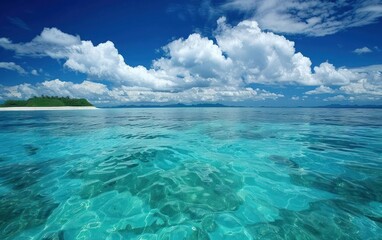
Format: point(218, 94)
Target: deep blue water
point(191, 173)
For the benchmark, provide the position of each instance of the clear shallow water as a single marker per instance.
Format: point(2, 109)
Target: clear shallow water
point(209, 173)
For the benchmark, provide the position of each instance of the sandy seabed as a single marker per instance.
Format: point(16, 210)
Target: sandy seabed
point(44, 108)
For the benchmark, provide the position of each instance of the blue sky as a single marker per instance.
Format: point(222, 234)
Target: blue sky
point(242, 52)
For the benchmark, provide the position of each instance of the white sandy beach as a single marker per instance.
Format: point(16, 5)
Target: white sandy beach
point(44, 108)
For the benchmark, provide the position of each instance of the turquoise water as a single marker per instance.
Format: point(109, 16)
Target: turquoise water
point(191, 173)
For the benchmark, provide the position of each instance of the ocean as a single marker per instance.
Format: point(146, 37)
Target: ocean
point(191, 173)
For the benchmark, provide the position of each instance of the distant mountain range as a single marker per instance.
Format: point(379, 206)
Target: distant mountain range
point(218, 105)
point(177, 105)
point(349, 106)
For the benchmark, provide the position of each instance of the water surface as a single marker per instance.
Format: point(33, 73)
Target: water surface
point(191, 173)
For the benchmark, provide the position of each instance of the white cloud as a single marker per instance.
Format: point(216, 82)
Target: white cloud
point(358, 83)
point(51, 42)
point(295, 98)
point(21, 91)
point(336, 98)
point(195, 61)
point(195, 94)
point(13, 67)
point(102, 61)
point(372, 68)
point(193, 68)
point(54, 87)
point(320, 90)
point(327, 74)
point(192, 62)
point(34, 72)
point(362, 50)
point(311, 17)
point(363, 87)
point(263, 57)
point(368, 84)
point(242, 55)
point(100, 93)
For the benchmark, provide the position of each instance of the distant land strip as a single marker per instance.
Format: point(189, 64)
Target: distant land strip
point(47, 101)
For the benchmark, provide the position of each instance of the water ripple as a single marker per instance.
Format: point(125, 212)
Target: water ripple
point(235, 173)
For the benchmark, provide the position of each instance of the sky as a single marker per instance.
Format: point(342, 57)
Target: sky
point(236, 52)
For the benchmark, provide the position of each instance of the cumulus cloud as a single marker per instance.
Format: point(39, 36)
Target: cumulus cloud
point(102, 61)
point(242, 55)
point(263, 57)
point(363, 87)
point(195, 68)
point(295, 98)
point(327, 74)
point(320, 90)
point(195, 61)
point(34, 72)
point(101, 94)
point(336, 98)
point(363, 50)
point(367, 85)
point(311, 17)
point(357, 83)
point(13, 67)
point(51, 42)
point(53, 87)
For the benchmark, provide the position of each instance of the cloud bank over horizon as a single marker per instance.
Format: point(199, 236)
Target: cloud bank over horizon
point(238, 64)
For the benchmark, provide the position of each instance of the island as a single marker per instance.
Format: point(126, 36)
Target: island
point(47, 103)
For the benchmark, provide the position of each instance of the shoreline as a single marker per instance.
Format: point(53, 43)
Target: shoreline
point(46, 108)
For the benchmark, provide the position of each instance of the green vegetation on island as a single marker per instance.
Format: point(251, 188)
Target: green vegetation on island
point(47, 101)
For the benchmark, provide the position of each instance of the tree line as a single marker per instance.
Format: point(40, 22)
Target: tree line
point(47, 101)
